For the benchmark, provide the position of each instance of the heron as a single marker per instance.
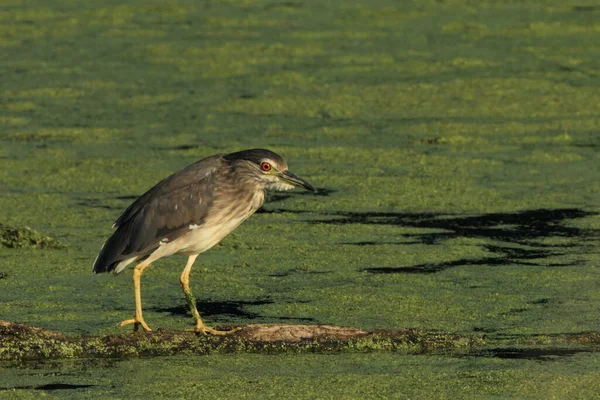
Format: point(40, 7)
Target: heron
point(189, 212)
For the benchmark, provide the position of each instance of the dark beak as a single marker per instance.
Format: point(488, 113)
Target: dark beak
point(288, 177)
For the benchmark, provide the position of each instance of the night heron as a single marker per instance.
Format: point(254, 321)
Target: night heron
point(188, 213)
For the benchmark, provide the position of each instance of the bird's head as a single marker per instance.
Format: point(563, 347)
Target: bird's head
point(267, 168)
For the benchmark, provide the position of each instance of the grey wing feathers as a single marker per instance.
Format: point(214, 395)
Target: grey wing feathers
point(163, 212)
point(191, 174)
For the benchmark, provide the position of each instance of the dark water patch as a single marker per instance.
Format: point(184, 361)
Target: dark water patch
point(185, 147)
point(484, 329)
point(514, 227)
point(281, 196)
point(127, 197)
point(276, 319)
point(435, 140)
point(101, 203)
point(375, 243)
point(61, 386)
point(516, 310)
point(531, 306)
point(540, 301)
point(262, 210)
point(320, 192)
point(567, 68)
point(283, 4)
point(587, 145)
point(367, 243)
point(519, 234)
point(517, 253)
point(97, 203)
point(48, 387)
point(529, 353)
point(574, 71)
point(586, 8)
point(298, 271)
point(377, 218)
point(563, 265)
point(429, 268)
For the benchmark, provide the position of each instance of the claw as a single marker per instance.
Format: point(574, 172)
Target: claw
point(136, 324)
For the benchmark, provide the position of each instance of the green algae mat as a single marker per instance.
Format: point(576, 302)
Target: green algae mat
point(455, 145)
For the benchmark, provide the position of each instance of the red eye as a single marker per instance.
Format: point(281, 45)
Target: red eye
point(265, 166)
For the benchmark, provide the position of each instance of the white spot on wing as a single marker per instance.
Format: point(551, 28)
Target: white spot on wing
point(193, 226)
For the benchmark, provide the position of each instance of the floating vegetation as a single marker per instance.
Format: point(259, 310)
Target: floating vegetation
point(19, 237)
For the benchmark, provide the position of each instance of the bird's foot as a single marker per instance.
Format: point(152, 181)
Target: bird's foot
point(205, 330)
point(137, 322)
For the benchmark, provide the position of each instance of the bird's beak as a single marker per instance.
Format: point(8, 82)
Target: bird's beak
point(290, 178)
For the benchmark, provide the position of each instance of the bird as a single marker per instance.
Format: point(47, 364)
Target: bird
point(189, 212)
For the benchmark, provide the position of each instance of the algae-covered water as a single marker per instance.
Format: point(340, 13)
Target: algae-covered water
point(455, 145)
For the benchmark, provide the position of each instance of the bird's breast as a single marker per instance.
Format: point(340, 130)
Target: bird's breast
point(222, 222)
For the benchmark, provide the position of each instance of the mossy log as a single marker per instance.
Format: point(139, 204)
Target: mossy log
point(25, 342)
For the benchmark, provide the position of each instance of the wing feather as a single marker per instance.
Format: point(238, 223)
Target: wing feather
point(163, 212)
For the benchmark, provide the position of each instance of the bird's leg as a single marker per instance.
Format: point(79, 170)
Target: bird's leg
point(138, 320)
point(185, 287)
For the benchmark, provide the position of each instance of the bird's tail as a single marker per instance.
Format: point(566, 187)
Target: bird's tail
point(111, 257)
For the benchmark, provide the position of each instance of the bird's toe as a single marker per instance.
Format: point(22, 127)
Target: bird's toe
point(136, 324)
point(205, 330)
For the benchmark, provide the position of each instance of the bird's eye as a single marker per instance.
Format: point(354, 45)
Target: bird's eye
point(265, 166)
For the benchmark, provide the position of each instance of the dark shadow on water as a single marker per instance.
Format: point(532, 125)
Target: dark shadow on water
point(586, 8)
point(128, 197)
point(429, 268)
point(518, 233)
point(48, 387)
point(224, 311)
point(511, 227)
point(298, 271)
point(212, 309)
point(528, 354)
point(281, 196)
point(102, 203)
point(61, 386)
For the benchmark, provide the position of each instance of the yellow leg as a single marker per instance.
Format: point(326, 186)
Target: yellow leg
point(185, 287)
point(138, 320)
